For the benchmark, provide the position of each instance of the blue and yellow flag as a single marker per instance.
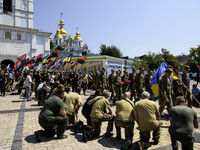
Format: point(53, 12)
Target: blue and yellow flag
point(154, 82)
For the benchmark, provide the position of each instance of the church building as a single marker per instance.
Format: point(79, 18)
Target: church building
point(73, 45)
point(17, 36)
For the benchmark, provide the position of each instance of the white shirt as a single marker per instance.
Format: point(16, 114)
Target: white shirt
point(52, 78)
point(28, 80)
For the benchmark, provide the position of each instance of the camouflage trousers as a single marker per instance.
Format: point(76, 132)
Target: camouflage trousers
point(162, 104)
point(128, 126)
point(145, 136)
point(118, 91)
point(125, 87)
point(36, 92)
point(96, 125)
point(112, 90)
point(133, 94)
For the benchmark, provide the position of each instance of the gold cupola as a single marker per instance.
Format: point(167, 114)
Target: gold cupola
point(63, 32)
point(58, 35)
point(77, 37)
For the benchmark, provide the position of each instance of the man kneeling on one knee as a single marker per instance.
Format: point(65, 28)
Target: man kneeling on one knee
point(53, 114)
point(98, 115)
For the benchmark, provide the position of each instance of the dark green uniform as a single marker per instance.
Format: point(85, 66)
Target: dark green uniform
point(103, 81)
point(165, 92)
point(148, 79)
point(186, 81)
point(125, 86)
point(178, 89)
point(111, 80)
point(42, 95)
point(118, 89)
point(50, 117)
point(132, 78)
point(140, 85)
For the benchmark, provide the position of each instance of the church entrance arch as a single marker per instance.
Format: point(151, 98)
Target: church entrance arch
point(6, 62)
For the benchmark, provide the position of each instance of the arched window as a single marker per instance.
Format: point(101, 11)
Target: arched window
point(7, 35)
point(18, 36)
point(7, 6)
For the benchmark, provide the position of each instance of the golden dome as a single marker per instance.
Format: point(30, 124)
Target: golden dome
point(77, 37)
point(63, 32)
point(50, 38)
point(58, 35)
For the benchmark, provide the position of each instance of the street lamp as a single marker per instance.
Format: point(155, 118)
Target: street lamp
point(125, 62)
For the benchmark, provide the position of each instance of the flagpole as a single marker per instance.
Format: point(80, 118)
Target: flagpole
point(186, 88)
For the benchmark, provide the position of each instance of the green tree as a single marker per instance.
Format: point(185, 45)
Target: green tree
point(59, 48)
point(153, 60)
point(194, 58)
point(140, 63)
point(51, 44)
point(169, 58)
point(110, 51)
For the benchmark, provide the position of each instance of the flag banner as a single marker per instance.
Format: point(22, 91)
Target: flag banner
point(22, 58)
point(31, 66)
point(73, 64)
point(17, 63)
point(31, 61)
point(39, 58)
point(67, 59)
point(81, 60)
point(8, 67)
point(154, 82)
point(45, 59)
point(54, 66)
point(54, 53)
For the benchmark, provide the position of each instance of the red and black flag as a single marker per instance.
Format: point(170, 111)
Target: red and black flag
point(39, 58)
point(31, 66)
point(53, 54)
point(81, 60)
point(22, 58)
point(31, 61)
point(18, 65)
point(73, 64)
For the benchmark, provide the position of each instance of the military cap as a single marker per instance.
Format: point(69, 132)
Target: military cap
point(103, 69)
point(187, 67)
point(60, 86)
point(133, 68)
point(112, 70)
point(177, 67)
point(141, 68)
point(168, 70)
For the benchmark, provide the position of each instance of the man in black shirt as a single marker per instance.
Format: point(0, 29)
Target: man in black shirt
point(2, 83)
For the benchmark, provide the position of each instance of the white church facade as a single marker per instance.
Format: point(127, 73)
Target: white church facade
point(17, 35)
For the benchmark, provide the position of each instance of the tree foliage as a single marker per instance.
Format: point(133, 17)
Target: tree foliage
point(110, 51)
point(51, 44)
point(169, 58)
point(59, 48)
point(194, 58)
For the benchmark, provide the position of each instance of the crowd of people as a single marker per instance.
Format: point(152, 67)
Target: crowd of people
point(132, 94)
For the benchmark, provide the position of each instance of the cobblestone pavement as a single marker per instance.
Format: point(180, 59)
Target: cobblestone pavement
point(19, 120)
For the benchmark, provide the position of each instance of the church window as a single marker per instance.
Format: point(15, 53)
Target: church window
point(8, 35)
point(7, 6)
point(18, 36)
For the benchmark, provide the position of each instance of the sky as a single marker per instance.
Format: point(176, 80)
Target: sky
point(136, 27)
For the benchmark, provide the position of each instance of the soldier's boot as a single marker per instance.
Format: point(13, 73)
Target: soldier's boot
point(126, 145)
point(118, 137)
point(78, 126)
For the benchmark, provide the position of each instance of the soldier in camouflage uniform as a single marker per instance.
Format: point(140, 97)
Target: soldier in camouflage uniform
point(103, 80)
point(165, 91)
point(177, 85)
point(111, 80)
point(148, 79)
point(132, 78)
point(96, 76)
point(140, 83)
point(186, 81)
point(126, 84)
point(118, 87)
point(124, 117)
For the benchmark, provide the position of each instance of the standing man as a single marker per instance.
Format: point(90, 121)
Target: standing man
point(74, 79)
point(126, 84)
point(118, 87)
point(28, 83)
point(2, 82)
point(146, 114)
point(140, 83)
point(124, 118)
point(183, 120)
point(103, 80)
point(148, 79)
point(72, 105)
point(196, 93)
point(52, 114)
point(111, 80)
point(165, 91)
point(177, 85)
point(132, 78)
point(98, 115)
point(37, 78)
point(186, 81)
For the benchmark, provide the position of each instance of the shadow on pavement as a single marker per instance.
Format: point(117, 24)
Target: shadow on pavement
point(31, 139)
point(111, 142)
